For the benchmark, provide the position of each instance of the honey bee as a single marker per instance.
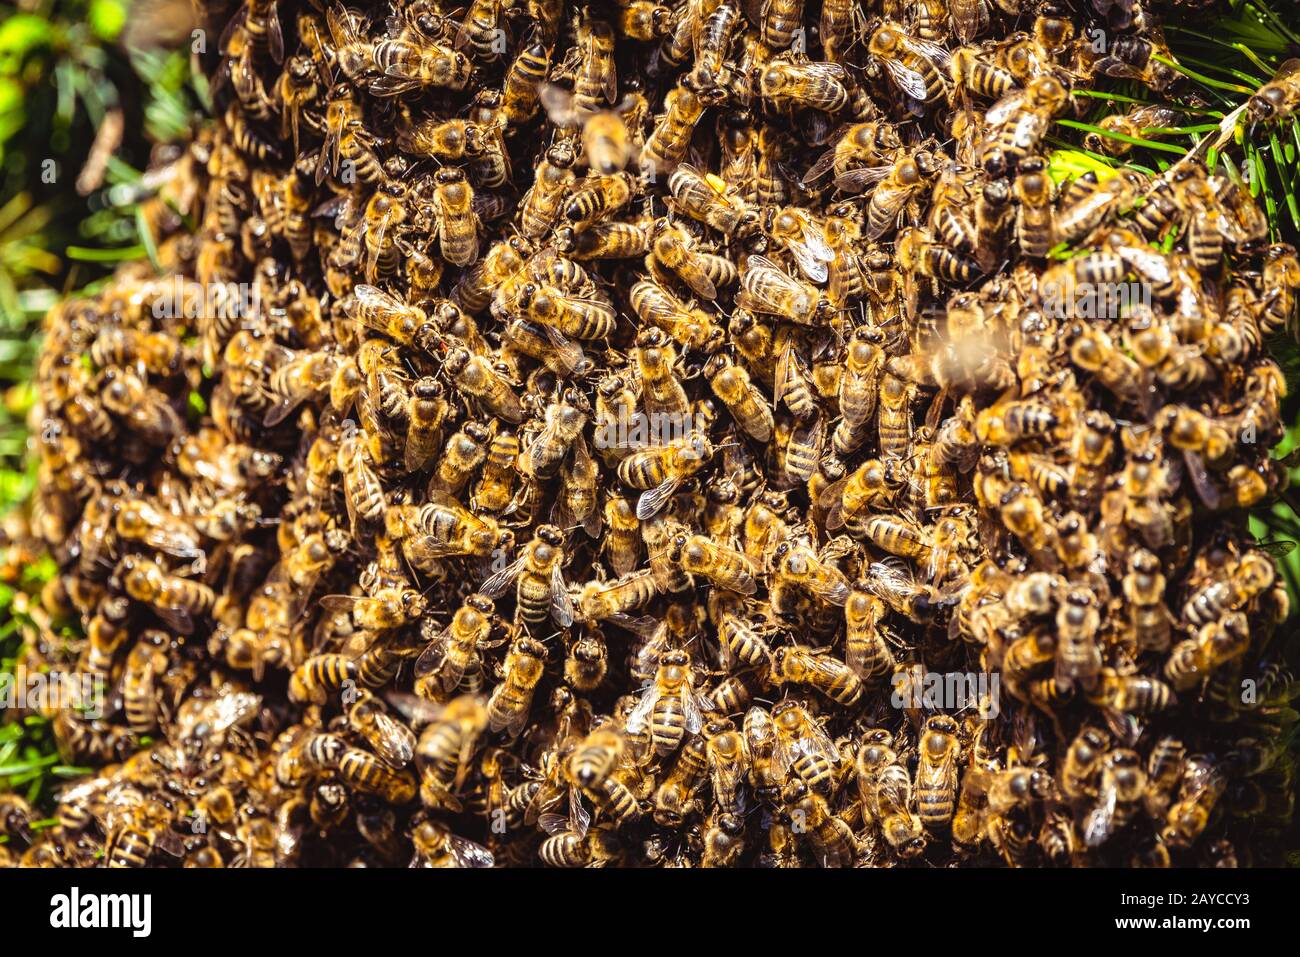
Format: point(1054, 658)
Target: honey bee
point(669, 706)
point(708, 199)
point(885, 790)
point(177, 601)
point(724, 567)
point(1019, 121)
point(836, 680)
point(748, 406)
point(912, 64)
point(660, 471)
point(674, 253)
point(936, 771)
point(452, 654)
point(562, 427)
point(766, 288)
point(512, 698)
point(667, 144)
point(538, 576)
point(455, 222)
point(436, 846)
point(1278, 98)
point(658, 307)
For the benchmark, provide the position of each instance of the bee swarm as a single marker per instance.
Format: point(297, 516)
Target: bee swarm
point(678, 434)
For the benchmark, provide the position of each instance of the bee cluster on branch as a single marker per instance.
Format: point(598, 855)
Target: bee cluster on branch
point(617, 426)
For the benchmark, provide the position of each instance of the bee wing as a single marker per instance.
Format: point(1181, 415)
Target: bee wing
point(811, 253)
point(561, 602)
point(824, 164)
point(857, 180)
point(432, 657)
point(652, 502)
point(227, 712)
point(393, 742)
point(906, 79)
point(419, 711)
point(173, 541)
point(467, 853)
point(497, 584)
point(817, 741)
point(691, 709)
point(1147, 263)
point(831, 501)
point(969, 18)
point(935, 53)
point(891, 201)
point(727, 775)
point(1100, 821)
point(275, 34)
point(178, 618)
point(558, 103)
point(1005, 108)
point(569, 352)
point(374, 302)
point(698, 280)
point(553, 824)
point(1201, 481)
point(639, 719)
point(645, 626)
point(936, 563)
point(811, 434)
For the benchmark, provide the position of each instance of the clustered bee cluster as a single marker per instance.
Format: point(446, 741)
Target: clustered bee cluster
point(639, 405)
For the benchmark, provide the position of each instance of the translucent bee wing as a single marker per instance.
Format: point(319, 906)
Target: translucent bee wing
point(698, 280)
point(178, 618)
point(275, 34)
point(1100, 821)
point(1005, 108)
point(857, 180)
point(553, 824)
point(831, 501)
point(558, 103)
point(645, 626)
point(230, 710)
point(497, 584)
point(811, 253)
point(817, 741)
point(890, 201)
point(562, 609)
point(569, 352)
point(1147, 263)
point(639, 719)
point(1201, 480)
point(823, 165)
point(935, 53)
point(432, 657)
point(812, 435)
point(652, 502)
point(393, 742)
point(419, 711)
point(906, 79)
point(173, 541)
point(467, 853)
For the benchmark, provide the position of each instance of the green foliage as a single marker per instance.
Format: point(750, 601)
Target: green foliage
point(70, 93)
